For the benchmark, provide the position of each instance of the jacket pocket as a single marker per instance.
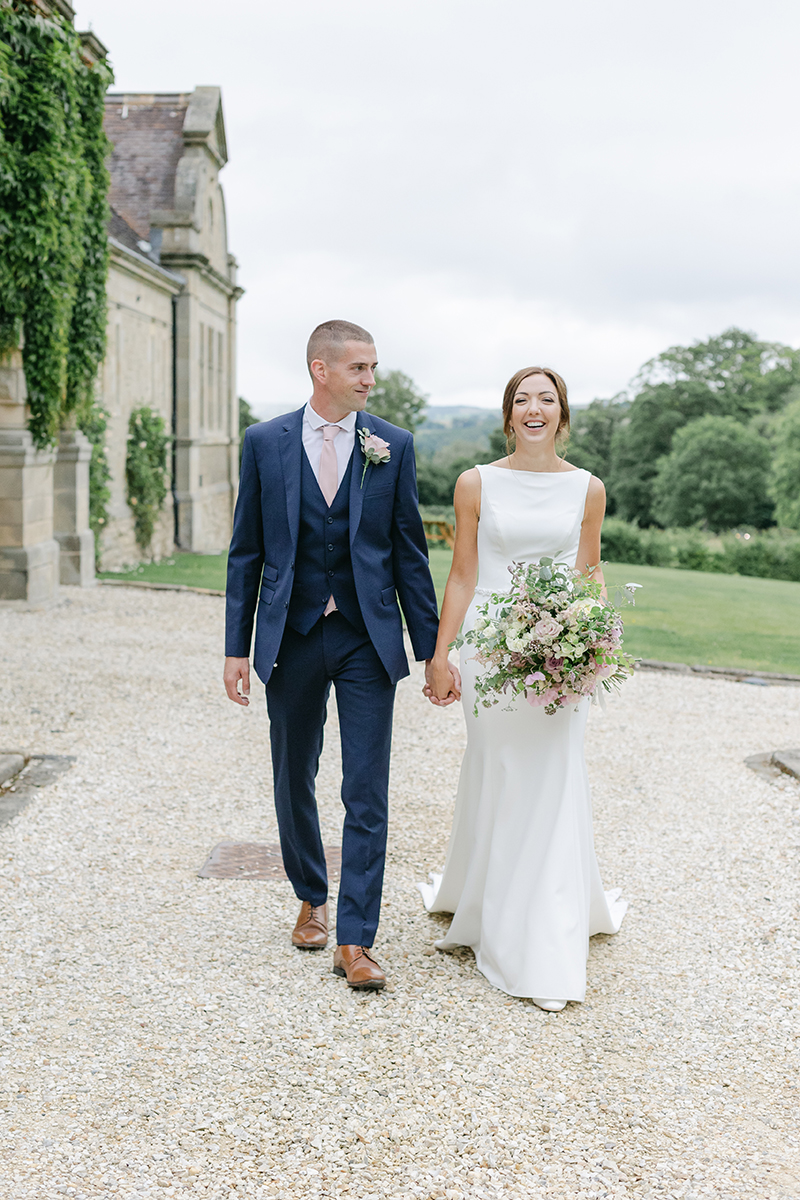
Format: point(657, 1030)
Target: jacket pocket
point(389, 596)
point(270, 572)
point(267, 595)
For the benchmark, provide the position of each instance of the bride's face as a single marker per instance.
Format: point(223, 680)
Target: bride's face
point(536, 412)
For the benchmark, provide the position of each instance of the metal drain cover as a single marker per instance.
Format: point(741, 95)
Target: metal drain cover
point(256, 860)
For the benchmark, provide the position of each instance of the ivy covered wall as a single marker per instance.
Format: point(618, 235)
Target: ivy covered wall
point(53, 223)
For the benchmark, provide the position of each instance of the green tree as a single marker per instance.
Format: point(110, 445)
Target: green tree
point(642, 435)
point(436, 477)
point(246, 418)
point(733, 375)
point(746, 374)
point(784, 483)
point(716, 474)
point(591, 435)
point(498, 446)
point(397, 398)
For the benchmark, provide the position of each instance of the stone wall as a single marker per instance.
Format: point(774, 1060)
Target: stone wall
point(169, 213)
point(137, 372)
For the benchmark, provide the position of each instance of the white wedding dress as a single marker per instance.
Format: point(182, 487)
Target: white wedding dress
point(521, 877)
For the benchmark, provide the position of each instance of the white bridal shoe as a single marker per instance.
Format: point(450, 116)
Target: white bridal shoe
point(549, 1005)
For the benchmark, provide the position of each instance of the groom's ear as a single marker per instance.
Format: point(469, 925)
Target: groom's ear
point(318, 369)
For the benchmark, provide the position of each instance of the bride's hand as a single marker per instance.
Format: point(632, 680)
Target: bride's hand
point(442, 682)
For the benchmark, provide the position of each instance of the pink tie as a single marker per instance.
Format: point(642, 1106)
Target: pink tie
point(329, 480)
point(328, 465)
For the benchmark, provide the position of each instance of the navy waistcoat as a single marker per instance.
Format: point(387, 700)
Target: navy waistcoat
point(322, 564)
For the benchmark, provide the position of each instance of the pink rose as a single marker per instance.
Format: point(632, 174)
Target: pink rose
point(376, 449)
point(548, 627)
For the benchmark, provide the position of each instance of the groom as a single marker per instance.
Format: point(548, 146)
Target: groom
point(327, 538)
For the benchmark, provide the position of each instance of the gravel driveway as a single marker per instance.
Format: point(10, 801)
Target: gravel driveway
point(159, 1034)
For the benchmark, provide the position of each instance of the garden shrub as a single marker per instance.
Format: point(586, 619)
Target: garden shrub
point(146, 471)
point(622, 541)
point(768, 554)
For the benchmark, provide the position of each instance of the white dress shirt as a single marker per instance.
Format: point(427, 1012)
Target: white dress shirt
point(313, 439)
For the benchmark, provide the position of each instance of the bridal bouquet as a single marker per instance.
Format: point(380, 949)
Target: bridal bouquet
point(551, 638)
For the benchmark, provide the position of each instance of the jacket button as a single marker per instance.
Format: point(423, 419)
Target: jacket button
point(292, 567)
point(286, 604)
point(330, 572)
point(330, 520)
point(330, 545)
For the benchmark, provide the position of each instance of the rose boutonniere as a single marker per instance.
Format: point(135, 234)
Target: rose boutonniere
point(375, 449)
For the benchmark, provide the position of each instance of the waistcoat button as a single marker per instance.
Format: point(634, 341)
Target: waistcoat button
point(330, 520)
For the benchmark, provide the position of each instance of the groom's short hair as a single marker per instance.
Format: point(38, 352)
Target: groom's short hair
point(329, 338)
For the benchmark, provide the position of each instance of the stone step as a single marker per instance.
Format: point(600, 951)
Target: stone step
point(10, 765)
point(788, 761)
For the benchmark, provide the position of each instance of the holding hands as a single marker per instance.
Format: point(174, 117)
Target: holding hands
point(442, 682)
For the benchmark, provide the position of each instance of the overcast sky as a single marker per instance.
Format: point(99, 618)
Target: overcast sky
point(487, 185)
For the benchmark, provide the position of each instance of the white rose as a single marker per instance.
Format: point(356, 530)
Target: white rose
point(580, 608)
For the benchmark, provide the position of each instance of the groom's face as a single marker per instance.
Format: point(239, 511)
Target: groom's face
point(351, 377)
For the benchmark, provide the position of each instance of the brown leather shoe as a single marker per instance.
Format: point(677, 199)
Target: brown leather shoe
point(358, 967)
point(311, 930)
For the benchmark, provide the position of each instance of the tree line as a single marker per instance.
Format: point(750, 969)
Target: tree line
point(706, 436)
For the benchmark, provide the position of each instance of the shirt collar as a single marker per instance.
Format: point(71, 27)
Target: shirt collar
point(347, 423)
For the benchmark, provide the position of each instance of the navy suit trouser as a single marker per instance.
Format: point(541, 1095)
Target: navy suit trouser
point(333, 652)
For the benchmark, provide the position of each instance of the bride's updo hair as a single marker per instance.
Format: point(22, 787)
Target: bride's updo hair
point(562, 436)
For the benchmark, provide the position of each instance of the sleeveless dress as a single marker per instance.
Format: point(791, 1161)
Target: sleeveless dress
point(521, 877)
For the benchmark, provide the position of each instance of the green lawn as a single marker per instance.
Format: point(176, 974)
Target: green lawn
point(195, 570)
point(680, 616)
point(694, 617)
point(721, 620)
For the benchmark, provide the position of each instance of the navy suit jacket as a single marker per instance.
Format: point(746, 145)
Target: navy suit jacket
point(387, 545)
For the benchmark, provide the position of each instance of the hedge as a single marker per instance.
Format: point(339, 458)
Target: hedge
point(769, 553)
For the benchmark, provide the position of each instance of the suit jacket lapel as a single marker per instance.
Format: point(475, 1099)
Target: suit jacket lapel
point(291, 450)
point(356, 490)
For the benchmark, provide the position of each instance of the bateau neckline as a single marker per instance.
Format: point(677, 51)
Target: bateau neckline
point(513, 471)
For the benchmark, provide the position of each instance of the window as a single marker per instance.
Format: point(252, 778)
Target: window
point(220, 385)
point(202, 376)
point(211, 376)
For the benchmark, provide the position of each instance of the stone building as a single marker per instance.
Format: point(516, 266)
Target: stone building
point(172, 296)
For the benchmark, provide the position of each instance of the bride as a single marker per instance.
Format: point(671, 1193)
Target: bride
point(521, 878)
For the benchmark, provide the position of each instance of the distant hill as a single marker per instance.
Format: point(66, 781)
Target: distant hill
point(446, 427)
point(450, 426)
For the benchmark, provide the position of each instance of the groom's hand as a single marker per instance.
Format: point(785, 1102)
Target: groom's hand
point(236, 669)
point(442, 683)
